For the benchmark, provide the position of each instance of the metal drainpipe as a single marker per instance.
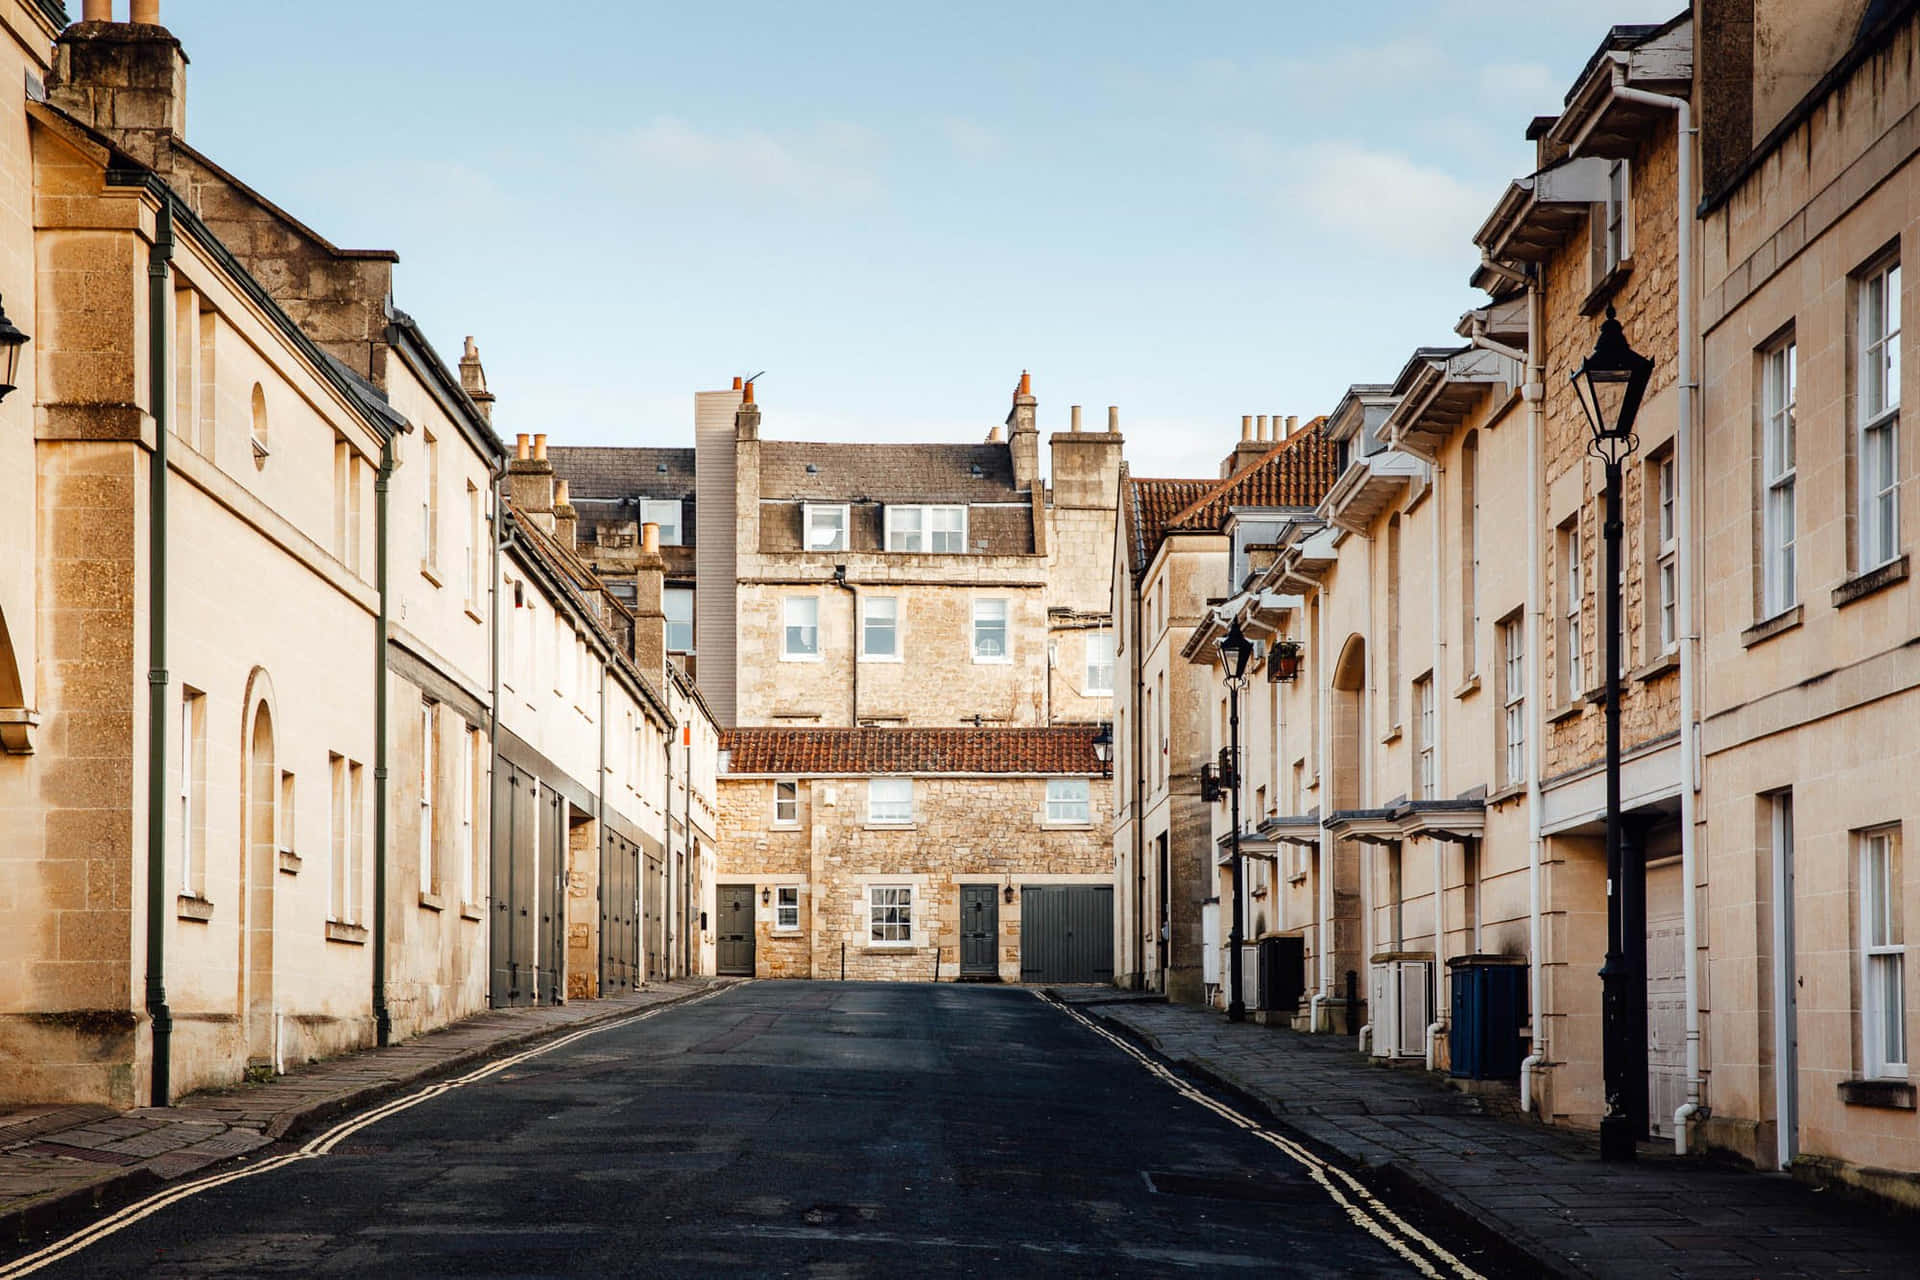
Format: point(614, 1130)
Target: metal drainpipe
point(600, 803)
point(1689, 657)
point(1323, 704)
point(1535, 392)
point(1139, 837)
point(691, 849)
point(1438, 1024)
point(159, 364)
point(666, 824)
point(382, 1018)
point(853, 654)
point(498, 541)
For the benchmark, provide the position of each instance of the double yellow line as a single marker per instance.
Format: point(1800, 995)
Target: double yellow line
point(1364, 1208)
point(320, 1145)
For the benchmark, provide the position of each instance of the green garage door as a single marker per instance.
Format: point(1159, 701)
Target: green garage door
point(1066, 933)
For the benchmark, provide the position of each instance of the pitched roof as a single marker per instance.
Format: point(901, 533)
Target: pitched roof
point(1297, 472)
point(887, 472)
point(1061, 749)
point(1149, 505)
point(622, 471)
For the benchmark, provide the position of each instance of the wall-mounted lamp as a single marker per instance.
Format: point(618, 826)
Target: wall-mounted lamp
point(11, 341)
point(1283, 663)
point(1006, 894)
point(1103, 746)
point(766, 896)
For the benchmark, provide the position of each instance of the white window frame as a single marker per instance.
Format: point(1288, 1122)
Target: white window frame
point(1513, 654)
point(891, 604)
point(1883, 1030)
point(668, 597)
point(667, 513)
point(890, 809)
point(1425, 779)
point(339, 838)
point(838, 511)
point(1667, 565)
point(807, 631)
point(890, 920)
point(786, 898)
point(790, 802)
point(1572, 605)
point(1779, 585)
point(190, 705)
point(1100, 664)
point(1877, 438)
point(911, 527)
point(429, 766)
point(1612, 235)
point(430, 507)
point(1069, 802)
point(987, 604)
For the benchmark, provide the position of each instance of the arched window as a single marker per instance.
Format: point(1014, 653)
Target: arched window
point(259, 426)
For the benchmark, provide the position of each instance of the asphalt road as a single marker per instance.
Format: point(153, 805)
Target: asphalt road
point(782, 1129)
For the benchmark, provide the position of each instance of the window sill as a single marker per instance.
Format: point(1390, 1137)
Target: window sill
point(1867, 583)
point(784, 826)
point(1300, 878)
point(433, 902)
point(431, 574)
point(471, 911)
point(1468, 687)
point(881, 657)
point(789, 935)
point(890, 826)
point(1609, 284)
point(979, 661)
point(1668, 661)
point(800, 657)
point(1889, 1095)
point(352, 934)
point(1557, 714)
point(1509, 792)
point(191, 906)
point(473, 611)
point(1768, 628)
point(1067, 826)
point(893, 948)
point(290, 862)
point(1391, 736)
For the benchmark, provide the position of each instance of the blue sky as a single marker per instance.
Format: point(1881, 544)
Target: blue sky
point(1191, 211)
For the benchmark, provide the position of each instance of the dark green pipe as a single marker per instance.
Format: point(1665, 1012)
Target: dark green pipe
point(159, 303)
point(382, 1020)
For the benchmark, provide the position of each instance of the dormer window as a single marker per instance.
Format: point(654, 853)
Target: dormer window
point(826, 526)
point(939, 529)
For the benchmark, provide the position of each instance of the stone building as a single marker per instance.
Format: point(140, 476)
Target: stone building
point(1169, 560)
point(1811, 689)
point(249, 666)
point(840, 588)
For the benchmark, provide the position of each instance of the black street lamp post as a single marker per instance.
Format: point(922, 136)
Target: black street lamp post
point(1235, 651)
point(1610, 384)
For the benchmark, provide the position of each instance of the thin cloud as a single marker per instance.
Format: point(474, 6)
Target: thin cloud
point(970, 139)
point(834, 162)
point(1395, 205)
point(1531, 82)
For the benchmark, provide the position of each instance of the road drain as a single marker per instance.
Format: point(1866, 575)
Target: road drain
point(1201, 1186)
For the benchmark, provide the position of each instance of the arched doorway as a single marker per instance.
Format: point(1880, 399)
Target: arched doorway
point(16, 724)
point(261, 866)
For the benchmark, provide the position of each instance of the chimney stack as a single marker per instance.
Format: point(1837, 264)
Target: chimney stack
point(566, 521)
point(128, 80)
point(1086, 464)
point(473, 380)
point(530, 482)
point(649, 605)
point(1023, 435)
point(1250, 447)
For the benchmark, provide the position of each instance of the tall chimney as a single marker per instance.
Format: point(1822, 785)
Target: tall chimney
point(649, 605)
point(1260, 428)
point(1023, 435)
point(1113, 419)
point(530, 482)
point(566, 521)
point(1293, 425)
point(128, 80)
point(1074, 414)
point(473, 380)
point(1249, 448)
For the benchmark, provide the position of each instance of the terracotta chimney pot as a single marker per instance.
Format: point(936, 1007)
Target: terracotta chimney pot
point(1261, 429)
point(1113, 419)
point(736, 382)
point(1246, 426)
point(147, 11)
point(539, 446)
point(650, 538)
point(97, 11)
point(520, 447)
point(1293, 423)
point(747, 390)
point(560, 495)
point(1076, 417)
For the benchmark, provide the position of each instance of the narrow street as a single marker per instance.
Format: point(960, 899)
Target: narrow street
point(784, 1129)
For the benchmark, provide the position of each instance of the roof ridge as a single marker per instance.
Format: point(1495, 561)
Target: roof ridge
point(1315, 430)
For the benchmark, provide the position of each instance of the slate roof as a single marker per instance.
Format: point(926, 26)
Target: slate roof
point(623, 471)
point(887, 472)
point(1061, 749)
point(1297, 472)
point(1149, 505)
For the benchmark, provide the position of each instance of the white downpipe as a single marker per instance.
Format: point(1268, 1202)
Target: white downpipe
point(1689, 656)
point(1437, 681)
point(1534, 391)
point(1322, 679)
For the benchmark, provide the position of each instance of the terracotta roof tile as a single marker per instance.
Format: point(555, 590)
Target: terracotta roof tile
point(1064, 749)
point(1150, 504)
point(1297, 472)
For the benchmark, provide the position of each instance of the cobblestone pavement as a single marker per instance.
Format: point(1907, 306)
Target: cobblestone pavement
point(60, 1161)
point(1541, 1189)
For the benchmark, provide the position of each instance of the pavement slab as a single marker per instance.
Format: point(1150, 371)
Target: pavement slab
point(1543, 1190)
